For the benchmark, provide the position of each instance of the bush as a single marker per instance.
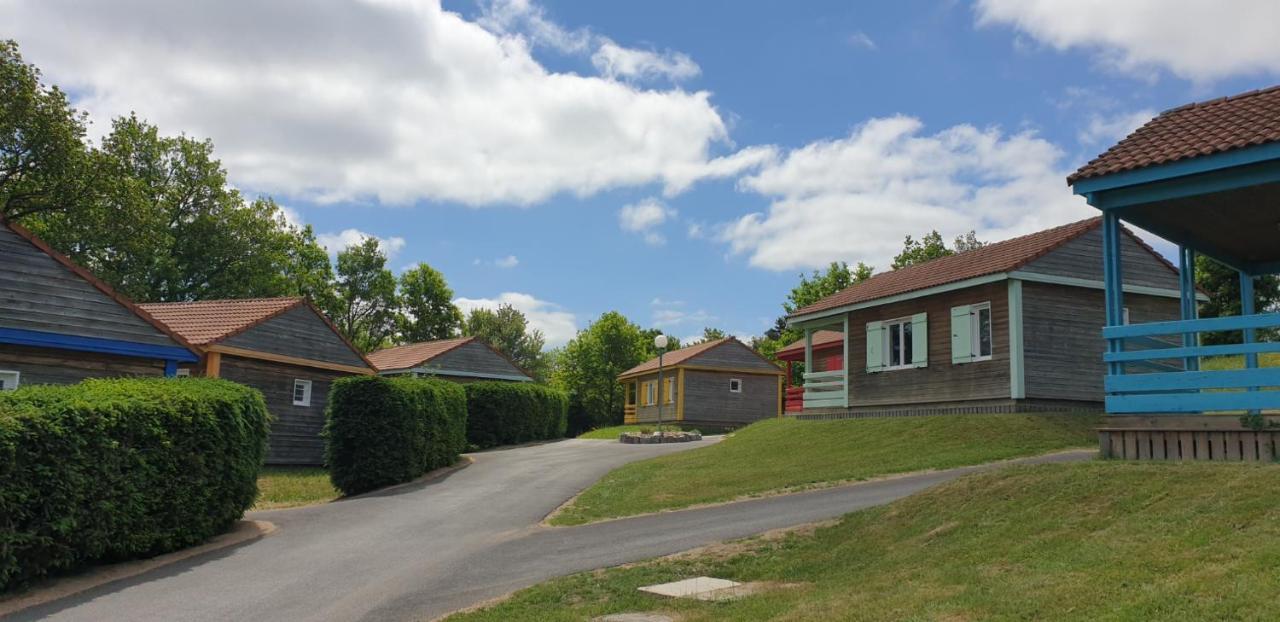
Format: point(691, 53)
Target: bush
point(107, 470)
point(506, 413)
point(381, 431)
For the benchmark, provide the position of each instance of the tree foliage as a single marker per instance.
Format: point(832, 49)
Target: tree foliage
point(507, 330)
point(931, 246)
point(427, 309)
point(1222, 284)
point(589, 365)
point(365, 304)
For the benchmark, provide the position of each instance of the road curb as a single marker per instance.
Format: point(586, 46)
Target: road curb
point(50, 590)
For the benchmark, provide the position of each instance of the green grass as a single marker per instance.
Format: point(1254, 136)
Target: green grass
point(1087, 541)
point(611, 433)
point(288, 487)
point(1218, 363)
point(781, 454)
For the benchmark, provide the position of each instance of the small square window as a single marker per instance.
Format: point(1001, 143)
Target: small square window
point(184, 372)
point(735, 385)
point(8, 380)
point(301, 392)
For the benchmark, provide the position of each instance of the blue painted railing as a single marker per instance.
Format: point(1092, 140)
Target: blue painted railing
point(1168, 379)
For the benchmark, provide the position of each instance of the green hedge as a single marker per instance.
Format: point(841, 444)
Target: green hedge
point(382, 431)
point(107, 470)
point(506, 413)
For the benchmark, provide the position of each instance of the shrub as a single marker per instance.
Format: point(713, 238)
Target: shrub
point(381, 431)
point(505, 413)
point(107, 470)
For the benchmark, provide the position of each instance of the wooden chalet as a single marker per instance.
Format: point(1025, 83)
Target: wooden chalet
point(60, 325)
point(284, 347)
point(719, 383)
point(1009, 327)
point(1206, 177)
point(465, 359)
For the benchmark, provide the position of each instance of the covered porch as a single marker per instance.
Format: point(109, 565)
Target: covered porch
point(1223, 203)
point(824, 351)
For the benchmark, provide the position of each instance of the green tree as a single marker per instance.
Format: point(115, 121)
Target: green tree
point(927, 248)
point(710, 334)
point(365, 303)
point(1222, 284)
point(44, 161)
point(427, 309)
point(588, 367)
point(673, 342)
point(507, 330)
point(968, 242)
point(812, 288)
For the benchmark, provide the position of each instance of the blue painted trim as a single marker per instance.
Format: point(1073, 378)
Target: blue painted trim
point(43, 339)
point(1192, 402)
point(1181, 168)
point(1179, 353)
point(170, 368)
point(1228, 379)
point(1202, 325)
point(1219, 181)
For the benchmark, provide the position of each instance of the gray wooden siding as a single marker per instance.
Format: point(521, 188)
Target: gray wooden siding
point(1082, 258)
point(707, 399)
point(299, 333)
point(733, 355)
point(649, 414)
point(941, 381)
point(38, 293)
point(474, 358)
point(295, 430)
point(1062, 337)
point(50, 366)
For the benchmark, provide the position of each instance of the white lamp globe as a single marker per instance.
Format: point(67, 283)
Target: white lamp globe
point(660, 342)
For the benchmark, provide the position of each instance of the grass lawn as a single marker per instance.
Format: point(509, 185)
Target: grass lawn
point(611, 433)
point(780, 454)
point(287, 487)
point(1085, 541)
point(1268, 359)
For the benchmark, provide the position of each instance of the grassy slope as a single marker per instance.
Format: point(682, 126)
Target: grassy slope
point(287, 487)
point(784, 453)
point(611, 433)
point(1102, 540)
point(1271, 359)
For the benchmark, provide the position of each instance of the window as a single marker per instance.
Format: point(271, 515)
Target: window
point(301, 392)
point(898, 341)
point(902, 343)
point(735, 385)
point(670, 390)
point(8, 380)
point(650, 393)
point(980, 316)
point(184, 372)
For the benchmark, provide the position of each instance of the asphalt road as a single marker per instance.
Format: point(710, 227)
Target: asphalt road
point(421, 551)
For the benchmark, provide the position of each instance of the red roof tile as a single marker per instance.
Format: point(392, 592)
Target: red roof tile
point(414, 354)
point(990, 259)
point(207, 321)
point(1199, 129)
point(820, 338)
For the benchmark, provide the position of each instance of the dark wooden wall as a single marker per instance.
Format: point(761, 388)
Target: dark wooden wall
point(707, 399)
point(1062, 337)
point(731, 355)
point(299, 333)
point(1082, 258)
point(51, 366)
point(295, 430)
point(38, 293)
point(474, 358)
point(941, 381)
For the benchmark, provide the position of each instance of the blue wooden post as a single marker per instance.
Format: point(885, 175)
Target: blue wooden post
point(1114, 290)
point(170, 368)
point(1247, 308)
point(1190, 306)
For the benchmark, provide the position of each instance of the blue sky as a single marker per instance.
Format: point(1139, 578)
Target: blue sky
point(681, 162)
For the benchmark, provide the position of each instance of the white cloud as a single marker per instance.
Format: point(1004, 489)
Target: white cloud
point(862, 40)
point(510, 261)
point(1105, 130)
point(696, 230)
point(645, 218)
point(336, 242)
point(616, 61)
point(394, 100)
point(1199, 40)
point(556, 324)
point(855, 198)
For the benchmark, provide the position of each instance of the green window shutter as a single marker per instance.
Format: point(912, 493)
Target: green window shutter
point(961, 337)
point(920, 340)
point(875, 346)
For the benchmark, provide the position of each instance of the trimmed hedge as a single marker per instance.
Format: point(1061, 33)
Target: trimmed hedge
point(506, 413)
point(381, 431)
point(108, 470)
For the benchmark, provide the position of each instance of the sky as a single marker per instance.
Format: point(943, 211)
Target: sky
point(679, 162)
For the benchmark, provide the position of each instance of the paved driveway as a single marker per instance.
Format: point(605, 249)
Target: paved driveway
point(421, 551)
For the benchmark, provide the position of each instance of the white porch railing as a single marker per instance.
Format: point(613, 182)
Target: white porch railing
point(825, 389)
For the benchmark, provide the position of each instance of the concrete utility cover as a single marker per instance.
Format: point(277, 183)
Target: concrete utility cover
point(635, 617)
point(701, 588)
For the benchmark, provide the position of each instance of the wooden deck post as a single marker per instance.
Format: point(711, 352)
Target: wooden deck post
point(1114, 280)
point(1190, 307)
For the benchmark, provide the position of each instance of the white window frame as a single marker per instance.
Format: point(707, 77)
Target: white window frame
point(10, 379)
point(975, 331)
point(650, 392)
point(735, 382)
point(306, 392)
point(886, 352)
point(1125, 318)
point(183, 372)
point(670, 390)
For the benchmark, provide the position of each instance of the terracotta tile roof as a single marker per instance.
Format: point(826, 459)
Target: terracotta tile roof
point(990, 259)
point(207, 321)
point(676, 357)
point(414, 354)
point(820, 338)
point(1203, 128)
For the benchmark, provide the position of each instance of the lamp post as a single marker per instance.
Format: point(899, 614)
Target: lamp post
point(660, 342)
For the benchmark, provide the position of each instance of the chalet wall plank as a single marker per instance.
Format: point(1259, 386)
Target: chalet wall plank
point(300, 333)
point(50, 366)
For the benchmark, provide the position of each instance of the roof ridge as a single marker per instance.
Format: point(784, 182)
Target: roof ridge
point(226, 300)
point(1221, 100)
